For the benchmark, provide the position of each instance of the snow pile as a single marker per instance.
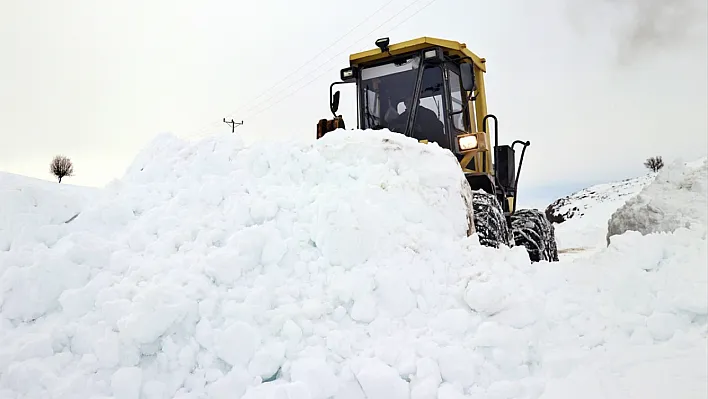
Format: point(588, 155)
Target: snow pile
point(677, 198)
point(339, 269)
point(639, 308)
point(580, 219)
point(211, 264)
point(34, 209)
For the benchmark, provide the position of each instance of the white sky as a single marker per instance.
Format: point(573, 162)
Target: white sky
point(96, 81)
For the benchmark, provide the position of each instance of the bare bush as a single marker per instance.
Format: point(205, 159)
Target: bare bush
point(654, 163)
point(61, 167)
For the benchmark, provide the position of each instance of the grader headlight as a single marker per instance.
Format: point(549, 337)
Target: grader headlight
point(348, 74)
point(466, 143)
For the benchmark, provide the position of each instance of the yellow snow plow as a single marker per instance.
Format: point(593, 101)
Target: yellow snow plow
point(433, 90)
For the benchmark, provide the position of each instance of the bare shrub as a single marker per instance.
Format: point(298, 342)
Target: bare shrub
point(61, 167)
point(654, 163)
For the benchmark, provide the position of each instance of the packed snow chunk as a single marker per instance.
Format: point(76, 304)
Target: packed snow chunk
point(427, 380)
point(456, 322)
point(233, 385)
point(30, 292)
point(637, 372)
point(485, 295)
point(451, 391)
point(291, 331)
point(379, 381)
point(223, 267)
point(237, 343)
point(154, 311)
point(459, 365)
point(315, 374)
point(364, 309)
point(662, 326)
point(394, 294)
point(78, 301)
point(36, 345)
point(267, 360)
point(280, 390)
point(677, 198)
point(126, 383)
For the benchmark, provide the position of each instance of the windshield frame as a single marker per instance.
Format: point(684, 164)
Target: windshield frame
point(417, 60)
point(445, 66)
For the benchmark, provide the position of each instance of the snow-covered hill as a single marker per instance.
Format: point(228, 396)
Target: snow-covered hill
point(30, 208)
point(598, 199)
point(580, 219)
point(339, 269)
point(585, 219)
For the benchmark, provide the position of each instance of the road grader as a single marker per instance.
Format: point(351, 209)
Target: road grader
point(433, 90)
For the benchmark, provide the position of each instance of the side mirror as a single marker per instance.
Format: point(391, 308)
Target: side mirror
point(334, 102)
point(467, 74)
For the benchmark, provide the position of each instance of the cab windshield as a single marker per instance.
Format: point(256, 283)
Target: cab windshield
point(387, 94)
point(385, 87)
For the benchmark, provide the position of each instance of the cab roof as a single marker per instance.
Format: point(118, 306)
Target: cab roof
point(451, 48)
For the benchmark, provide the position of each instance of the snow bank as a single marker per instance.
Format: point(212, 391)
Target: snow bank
point(676, 198)
point(33, 209)
point(210, 264)
point(639, 307)
point(339, 269)
point(580, 219)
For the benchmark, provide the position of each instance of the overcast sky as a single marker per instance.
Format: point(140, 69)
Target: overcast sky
point(596, 87)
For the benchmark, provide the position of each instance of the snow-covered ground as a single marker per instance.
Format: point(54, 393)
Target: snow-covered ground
point(32, 209)
point(339, 269)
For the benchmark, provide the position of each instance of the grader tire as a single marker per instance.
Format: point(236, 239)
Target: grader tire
point(489, 221)
point(531, 228)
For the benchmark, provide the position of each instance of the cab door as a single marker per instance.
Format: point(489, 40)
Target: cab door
point(458, 116)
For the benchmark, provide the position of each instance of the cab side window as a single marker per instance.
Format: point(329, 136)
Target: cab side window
point(459, 118)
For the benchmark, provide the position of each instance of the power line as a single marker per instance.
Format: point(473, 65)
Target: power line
point(318, 54)
point(308, 61)
point(341, 52)
point(256, 104)
point(327, 70)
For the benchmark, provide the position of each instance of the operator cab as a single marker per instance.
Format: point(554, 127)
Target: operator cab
point(411, 94)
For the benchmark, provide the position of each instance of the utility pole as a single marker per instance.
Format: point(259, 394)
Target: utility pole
point(233, 124)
